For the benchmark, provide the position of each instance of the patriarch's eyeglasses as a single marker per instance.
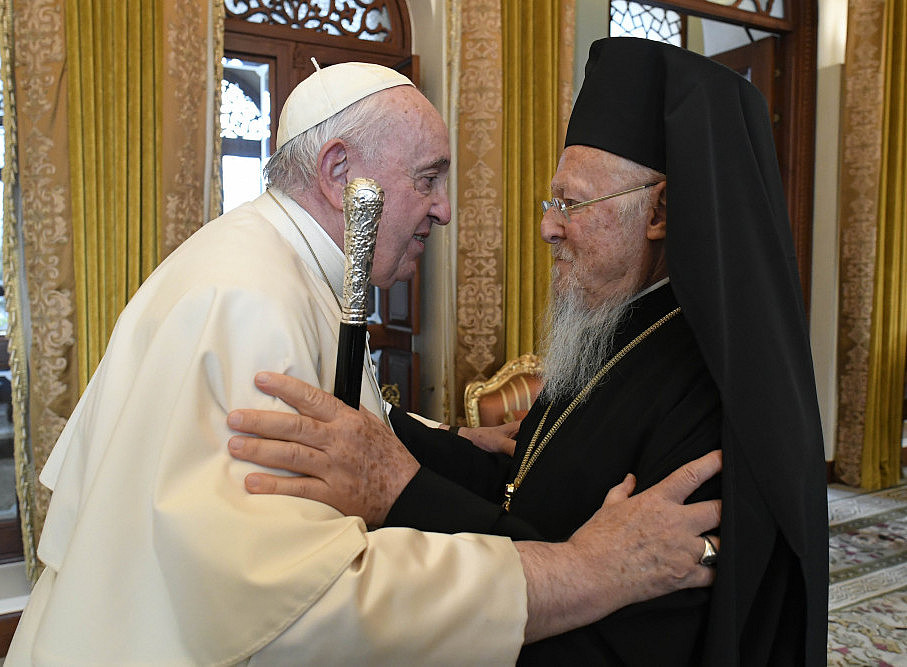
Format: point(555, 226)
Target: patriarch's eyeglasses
point(563, 208)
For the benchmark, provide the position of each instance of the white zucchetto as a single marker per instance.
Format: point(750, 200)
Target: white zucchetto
point(329, 90)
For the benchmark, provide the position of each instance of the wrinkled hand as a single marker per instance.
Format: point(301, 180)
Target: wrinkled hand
point(656, 536)
point(495, 439)
point(350, 459)
point(634, 548)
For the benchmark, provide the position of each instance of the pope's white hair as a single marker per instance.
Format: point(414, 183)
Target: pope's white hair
point(362, 125)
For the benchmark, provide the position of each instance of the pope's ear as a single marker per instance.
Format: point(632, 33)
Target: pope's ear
point(657, 227)
point(332, 170)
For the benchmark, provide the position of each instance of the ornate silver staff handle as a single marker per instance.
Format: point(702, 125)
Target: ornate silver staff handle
point(363, 200)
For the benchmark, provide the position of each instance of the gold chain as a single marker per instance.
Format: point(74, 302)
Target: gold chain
point(533, 450)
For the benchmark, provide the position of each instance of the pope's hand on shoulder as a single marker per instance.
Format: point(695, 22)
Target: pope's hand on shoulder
point(346, 458)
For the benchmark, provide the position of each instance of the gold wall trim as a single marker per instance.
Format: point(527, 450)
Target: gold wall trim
point(14, 294)
point(185, 121)
point(39, 73)
point(566, 47)
point(861, 128)
point(513, 70)
point(480, 270)
point(215, 175)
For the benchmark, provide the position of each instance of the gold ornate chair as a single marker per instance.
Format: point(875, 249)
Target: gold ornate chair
point(505, 396)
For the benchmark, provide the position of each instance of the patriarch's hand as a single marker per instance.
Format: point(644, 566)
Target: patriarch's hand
point(634, 548)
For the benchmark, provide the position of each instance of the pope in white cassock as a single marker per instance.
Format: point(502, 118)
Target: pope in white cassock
point(153, 550)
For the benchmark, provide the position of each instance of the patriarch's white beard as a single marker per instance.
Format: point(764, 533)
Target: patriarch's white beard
point(578, 339)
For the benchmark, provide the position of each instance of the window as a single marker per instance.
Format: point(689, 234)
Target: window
point(245, 120)
point(634, 19)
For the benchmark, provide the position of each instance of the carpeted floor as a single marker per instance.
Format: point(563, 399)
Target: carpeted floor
point(867, 605)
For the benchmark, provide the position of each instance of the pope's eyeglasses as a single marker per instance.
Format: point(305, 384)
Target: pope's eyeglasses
point(561, 206)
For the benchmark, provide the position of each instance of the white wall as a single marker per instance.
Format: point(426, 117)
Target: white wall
point(591, 24)
point(824, 295)
point(832, 32)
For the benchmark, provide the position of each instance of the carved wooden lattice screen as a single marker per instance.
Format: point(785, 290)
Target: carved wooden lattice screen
point(635, 19)
point(286, 35)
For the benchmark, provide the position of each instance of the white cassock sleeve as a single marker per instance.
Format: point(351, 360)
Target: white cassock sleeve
point(407, 612)
point(155, 552)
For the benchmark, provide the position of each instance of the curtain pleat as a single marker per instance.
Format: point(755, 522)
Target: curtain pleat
point(888, 342)
point(115, 91)
point(147, 124)
point(531, 87)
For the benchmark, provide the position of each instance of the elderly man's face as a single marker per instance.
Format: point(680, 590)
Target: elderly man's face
point(597, 252)
point(412, 168)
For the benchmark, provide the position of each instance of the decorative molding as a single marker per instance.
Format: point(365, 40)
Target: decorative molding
point(184, 122)
point(480, 270)
point(39, 73)
point(15, 294)
point(352, 18)
point(216, 187)
point(567, 46)
point(861, 128)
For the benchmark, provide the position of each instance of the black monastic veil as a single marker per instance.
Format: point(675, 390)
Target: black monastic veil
point(732, 267)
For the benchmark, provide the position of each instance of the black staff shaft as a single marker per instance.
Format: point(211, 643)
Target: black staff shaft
point(350, 354)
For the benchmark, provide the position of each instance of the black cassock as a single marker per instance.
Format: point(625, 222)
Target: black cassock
point(732, 265)
point(656, 409)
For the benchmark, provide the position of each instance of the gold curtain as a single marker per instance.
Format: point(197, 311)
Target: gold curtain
point(873, 245)
point(538, 40)
point(134, 203)
point(114, 129)
point(114, 107)
point(888, 344)
point(497, 91)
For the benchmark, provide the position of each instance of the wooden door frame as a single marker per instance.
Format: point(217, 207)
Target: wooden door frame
point(795, 107)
